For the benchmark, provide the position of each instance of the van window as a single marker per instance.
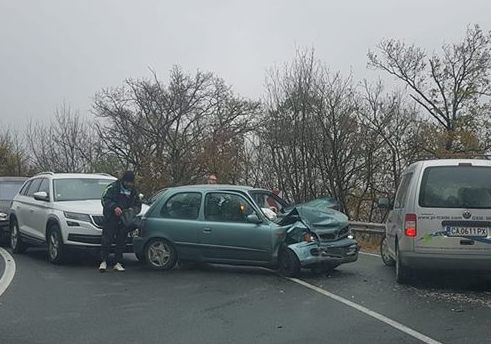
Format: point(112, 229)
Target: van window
point(401, 197)
point(456, 187)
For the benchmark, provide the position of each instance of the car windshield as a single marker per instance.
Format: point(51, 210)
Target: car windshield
point(270, 204)
point(9, 189)
point(79, 189)
point(456, 187)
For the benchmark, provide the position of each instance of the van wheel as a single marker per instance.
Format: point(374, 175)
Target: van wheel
point(56, 248)
point(403, 272)
point(384, 252)
point(18, 246)
point(288, 262)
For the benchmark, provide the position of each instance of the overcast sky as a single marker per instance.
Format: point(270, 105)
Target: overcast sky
point(64, 51)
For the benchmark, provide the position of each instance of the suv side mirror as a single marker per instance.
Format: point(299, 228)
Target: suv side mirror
point(254, 219)
point(41, 196)
point(384, 203)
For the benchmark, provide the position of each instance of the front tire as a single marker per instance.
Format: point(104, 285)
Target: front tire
point(56, 248)
point(384, 252)
point(288, 262)
point(160, 254)
point(16, 243)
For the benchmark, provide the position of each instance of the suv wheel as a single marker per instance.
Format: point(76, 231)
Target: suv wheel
point(56, 248)
point(18, 246)
point(384, 252)
point(403, 272)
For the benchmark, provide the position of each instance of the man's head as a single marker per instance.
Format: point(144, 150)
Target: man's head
point(212, 179)
point(128, 179)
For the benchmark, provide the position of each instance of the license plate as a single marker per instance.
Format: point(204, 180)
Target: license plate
point(467, 231)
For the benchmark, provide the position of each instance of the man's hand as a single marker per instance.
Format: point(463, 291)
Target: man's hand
point(118, 212)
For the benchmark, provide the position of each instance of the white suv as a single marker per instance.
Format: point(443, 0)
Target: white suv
point(61, 210)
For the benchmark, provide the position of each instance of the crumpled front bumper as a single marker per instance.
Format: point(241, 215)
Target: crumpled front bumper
point(326, 253)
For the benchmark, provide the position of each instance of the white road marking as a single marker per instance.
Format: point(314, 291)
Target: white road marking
point(8, 274)
point(369, 254)
point(378, 316)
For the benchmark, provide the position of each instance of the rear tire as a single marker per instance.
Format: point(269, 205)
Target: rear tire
point(384, 252)
point(16, 243)
point(403, 273)
point(56, 248)
point(160, 254)
point(288, 263)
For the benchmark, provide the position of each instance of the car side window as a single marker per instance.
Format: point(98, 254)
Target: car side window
point(44, 187)
point(24, 189)
point(34, 187)
point(224, 207)
point(403, 191)
point(183, 206)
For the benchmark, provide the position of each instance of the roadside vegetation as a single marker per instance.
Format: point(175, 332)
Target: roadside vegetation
point(314, 132)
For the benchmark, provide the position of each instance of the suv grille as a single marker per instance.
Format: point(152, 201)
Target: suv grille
point(98, 221)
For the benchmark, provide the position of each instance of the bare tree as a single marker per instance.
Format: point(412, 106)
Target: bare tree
point(13, 157)
point(453, 87)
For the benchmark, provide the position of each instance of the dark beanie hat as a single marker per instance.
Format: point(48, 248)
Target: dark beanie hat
point(128, 176)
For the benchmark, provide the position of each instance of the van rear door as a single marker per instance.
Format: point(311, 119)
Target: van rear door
point(454, 209)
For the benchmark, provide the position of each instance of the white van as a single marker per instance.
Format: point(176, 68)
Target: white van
point(440, 219)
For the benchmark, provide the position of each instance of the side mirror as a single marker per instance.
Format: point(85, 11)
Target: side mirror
point(384, 203)
point(254, 219)
point(41, 196)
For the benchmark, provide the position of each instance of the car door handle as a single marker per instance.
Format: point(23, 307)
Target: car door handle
point(206, 230)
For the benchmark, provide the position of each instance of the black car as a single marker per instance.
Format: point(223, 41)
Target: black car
point(9, 187)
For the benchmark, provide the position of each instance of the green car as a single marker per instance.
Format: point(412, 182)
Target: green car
point(239, 225)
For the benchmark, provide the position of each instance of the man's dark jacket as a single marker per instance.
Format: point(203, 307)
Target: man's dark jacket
point(112, 198)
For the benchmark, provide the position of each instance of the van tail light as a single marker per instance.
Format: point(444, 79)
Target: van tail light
point(410, 225)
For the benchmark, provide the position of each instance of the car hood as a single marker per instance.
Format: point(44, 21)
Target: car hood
point(90, 207)
point(316, 216)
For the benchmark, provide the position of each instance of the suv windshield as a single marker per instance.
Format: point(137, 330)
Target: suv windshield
point(456, 187)
point(8, 190)
point(79, 189)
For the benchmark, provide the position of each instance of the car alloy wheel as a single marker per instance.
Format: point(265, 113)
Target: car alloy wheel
point(384, 252)
point(55, 245)
point(16, 242)
point(161, 255)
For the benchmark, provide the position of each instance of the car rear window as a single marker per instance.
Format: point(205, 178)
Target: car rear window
point(456, 187)
point(8, 190)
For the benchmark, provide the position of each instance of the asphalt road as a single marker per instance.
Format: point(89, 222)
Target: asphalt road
point(218, 304)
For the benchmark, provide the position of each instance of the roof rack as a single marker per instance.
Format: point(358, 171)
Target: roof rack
point(454, 156)
point(45, 172)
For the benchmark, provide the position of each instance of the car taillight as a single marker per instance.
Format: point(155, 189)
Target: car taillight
point(410, 225)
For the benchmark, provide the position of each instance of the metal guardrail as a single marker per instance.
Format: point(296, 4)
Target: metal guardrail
point(367, 227)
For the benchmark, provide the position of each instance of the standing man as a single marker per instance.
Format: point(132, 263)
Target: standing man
point(118, 198)
point(212, 179)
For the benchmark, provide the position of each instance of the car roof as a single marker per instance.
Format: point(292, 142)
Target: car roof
point(452, 162)
point(216, 187)
point(75, 175)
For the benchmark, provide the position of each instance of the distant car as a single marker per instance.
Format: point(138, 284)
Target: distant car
point(9, 186)
point(58, 210)
point(441, 218)
point(237, 225)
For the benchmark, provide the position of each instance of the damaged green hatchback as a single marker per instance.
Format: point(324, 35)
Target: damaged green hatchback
point(240, 225)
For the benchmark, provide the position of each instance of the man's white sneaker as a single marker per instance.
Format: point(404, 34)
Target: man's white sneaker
point(103, 267)
point(118, 267)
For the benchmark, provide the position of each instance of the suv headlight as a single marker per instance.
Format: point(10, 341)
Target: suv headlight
point(77, 216)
